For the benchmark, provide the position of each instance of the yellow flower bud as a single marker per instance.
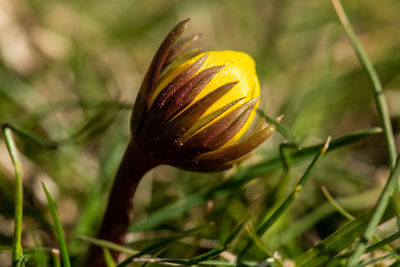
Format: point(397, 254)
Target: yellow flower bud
point(238, 66)
point(193, 108)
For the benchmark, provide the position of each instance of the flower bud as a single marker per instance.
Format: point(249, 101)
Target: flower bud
point(193, 108)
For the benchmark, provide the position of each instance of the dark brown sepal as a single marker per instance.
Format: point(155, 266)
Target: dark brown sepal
point(230, 153)
point(220, 132)
point(187, 93)
point(146, 89)
point(206, 120)
point(212, 167)
point(156, 115)
point(184, 121)
point(178, 82)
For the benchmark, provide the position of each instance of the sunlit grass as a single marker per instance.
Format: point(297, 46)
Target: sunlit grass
point(68, 99)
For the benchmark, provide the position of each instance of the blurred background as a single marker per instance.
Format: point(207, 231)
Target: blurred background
point(70, 70)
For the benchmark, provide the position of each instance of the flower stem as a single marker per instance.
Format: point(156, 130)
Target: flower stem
point(118, 215)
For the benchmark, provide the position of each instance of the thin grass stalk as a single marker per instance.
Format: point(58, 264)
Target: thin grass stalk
point(377, 214)
point(107, 244)
point(281, 129)
point(108, 258)
point(336, 204)
point(350, 217)
point(375, 261)
point(257, 241)
point(274, 217)
point(58, 228)
point(379, 97)
point(17, 252)
point(21, 262)
point(384, 242)
point(185, 262)
point(245, 176)
point(384, 115)
point(290, 198)
point(55, 253)
point(281, 188)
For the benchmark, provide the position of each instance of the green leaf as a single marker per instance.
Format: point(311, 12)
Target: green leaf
point(107, 244)
point(338, 241)
point(242, 177)
point(108, 258)
point(58, 228)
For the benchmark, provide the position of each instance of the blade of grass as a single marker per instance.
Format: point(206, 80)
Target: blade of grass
point(377, 214)
point(56, 257)
point(258, 242)
point(378, 245)
point(284, 131)
point(58, 228)
point(380, 100)
point(158, 246)
point(285, 204)
point(336, 205)
point(98, 122)
point(107, 244)
point(383, 242)
point(383, 111)
point(243, 177)
point(195, 260)
point(21, 261)
point(218, 250)
point(174, 262)
point(17, 252)
point(350, 217)
point(339, 240)
point(359, 203)
point(281, 188)
point(108, 258)
point(374, 261)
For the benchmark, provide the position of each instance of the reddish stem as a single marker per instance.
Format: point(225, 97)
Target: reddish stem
point(118, 215)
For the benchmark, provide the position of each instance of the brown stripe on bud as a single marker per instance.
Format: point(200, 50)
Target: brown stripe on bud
point(187, 93)
point(206, 120)
point(178, 82)
point(231, 153)
point(190, 116)
point(221, 131)
point(229, 133)
point(157, 115)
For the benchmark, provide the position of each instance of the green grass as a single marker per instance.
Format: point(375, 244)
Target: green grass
point(392, 181)
point(17, 253)
point(58, 228)
point(67, 101)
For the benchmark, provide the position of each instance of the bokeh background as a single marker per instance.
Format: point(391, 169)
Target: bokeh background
point(75, 67)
